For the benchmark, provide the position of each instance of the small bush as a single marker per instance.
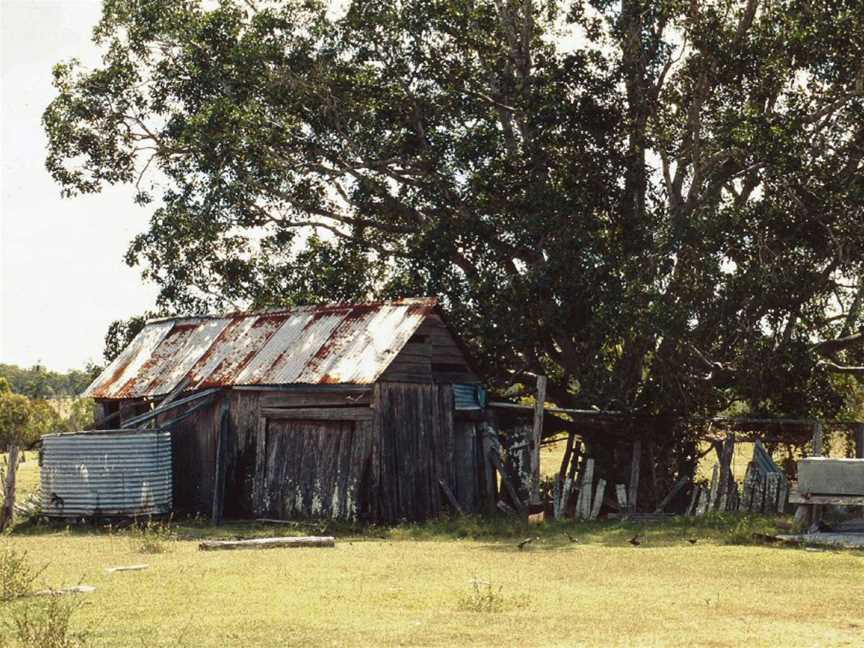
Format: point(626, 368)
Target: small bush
point(17, 575)
point(47, 624)
point(482, 597)
point(746, 530)
point(152, 537)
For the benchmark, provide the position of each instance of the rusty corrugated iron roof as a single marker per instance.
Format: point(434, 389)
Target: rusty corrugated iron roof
point(332, 344)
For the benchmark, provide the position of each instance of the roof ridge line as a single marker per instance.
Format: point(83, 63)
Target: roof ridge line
point(405, 301)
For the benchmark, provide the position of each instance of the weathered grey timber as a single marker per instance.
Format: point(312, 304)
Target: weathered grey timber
point(536, 436)
point(633, 494)
point(269, 543)
point(676, 488)
point(824, 476)
point(598, 499)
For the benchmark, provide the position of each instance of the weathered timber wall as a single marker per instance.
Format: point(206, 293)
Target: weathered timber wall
point(240, 452)
point(314, 468)
point(194, 452)
point(416, 444)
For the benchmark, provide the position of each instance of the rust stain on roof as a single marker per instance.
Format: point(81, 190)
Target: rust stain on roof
point(330, 344)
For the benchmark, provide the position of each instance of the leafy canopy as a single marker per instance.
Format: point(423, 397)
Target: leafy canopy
point(661, 211)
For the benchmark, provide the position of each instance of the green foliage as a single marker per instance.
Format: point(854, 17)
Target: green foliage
point(40, 383)
point(662, 216)
point(120, 334)
point(17, 575)
point(15, 414)
point(47, 623)
point(482, 597)
point(151, 537)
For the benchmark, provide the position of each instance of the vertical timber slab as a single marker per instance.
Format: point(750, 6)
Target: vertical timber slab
point(694, 498)
point(536, 436)
point(635, 462)
point(375, 432)
point(260, 466)
point(758, 494)
point(713, 490)
point(585, 492)
point(726, 470)
point(747, 491)
point(621, 493)
point(771, 485)
point(598, 498)
point(816, 442)
point(859, 448)
point(218, 508)
point(702, 505)
point(490, 485)
point(782, 495)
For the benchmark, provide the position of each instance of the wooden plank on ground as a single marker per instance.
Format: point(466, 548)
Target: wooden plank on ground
point(269, 543)
point(77, 589)
point(126, 568)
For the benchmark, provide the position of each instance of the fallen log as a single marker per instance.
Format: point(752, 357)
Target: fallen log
point(78, 589)
point(125, 568)
point(269, 543)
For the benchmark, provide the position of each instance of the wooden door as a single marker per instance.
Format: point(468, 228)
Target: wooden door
point(311, 468)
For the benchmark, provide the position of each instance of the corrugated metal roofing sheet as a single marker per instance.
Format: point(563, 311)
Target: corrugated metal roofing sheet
point(334, 344)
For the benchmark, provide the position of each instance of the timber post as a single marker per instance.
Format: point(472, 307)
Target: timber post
point(632, 496)
point(536, 437)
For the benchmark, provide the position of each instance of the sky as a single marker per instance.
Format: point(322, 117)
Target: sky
point(62, 275)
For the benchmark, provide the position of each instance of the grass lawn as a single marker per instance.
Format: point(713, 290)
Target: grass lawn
point(413, 585)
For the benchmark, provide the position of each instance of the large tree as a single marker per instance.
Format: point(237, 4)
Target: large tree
point(658, 204)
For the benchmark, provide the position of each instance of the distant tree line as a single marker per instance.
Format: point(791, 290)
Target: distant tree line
point(41, 383)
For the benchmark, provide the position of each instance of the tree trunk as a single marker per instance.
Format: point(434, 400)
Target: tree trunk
point(8, 508)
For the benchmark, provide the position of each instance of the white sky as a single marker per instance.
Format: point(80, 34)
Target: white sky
point(62, 276)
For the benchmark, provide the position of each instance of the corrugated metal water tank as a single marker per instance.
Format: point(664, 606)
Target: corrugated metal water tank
point(107, 473)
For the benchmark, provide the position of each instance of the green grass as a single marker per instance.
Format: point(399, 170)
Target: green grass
point(409, 585)
point(454, 582)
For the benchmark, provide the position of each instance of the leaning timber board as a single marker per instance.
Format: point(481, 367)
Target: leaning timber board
point(269, 543)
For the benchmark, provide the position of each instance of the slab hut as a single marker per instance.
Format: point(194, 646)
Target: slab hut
point(351, 411)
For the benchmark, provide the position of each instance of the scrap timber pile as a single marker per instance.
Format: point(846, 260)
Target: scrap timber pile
point(765, 488)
